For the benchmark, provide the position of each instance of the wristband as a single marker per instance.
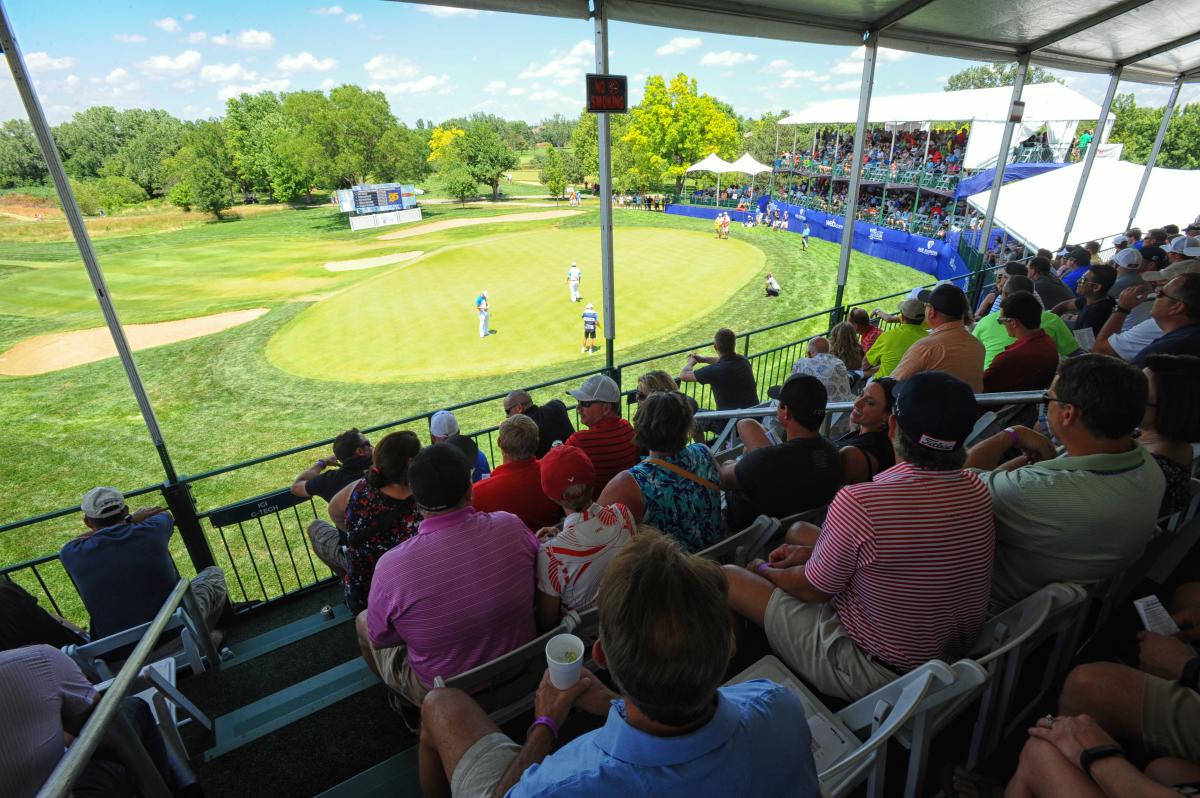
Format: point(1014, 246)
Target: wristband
point(1013, 438)
point(1191, 674)
point(548, 722)
point(761, 567)
point(320, 464)
point(1119, 309)
point(1089, 756)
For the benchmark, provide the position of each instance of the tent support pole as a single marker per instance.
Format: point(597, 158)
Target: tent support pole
point(600, 18)
point(1168, 112)
point(1002, 157)
point(1091, 154)
point(774, 158)
point(792, 165)
point(870, 51)
point(83, 241)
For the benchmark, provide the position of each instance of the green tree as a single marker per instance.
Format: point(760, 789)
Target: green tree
point(21, 161)
point(87, 196)
point(251, 122)
point(405, 155)
point(149, 139)
point(1181, 145)
point(117, 192)
point(343, 133)
point(555, 130)
point(554, 174)
point(485, 154)
point(458, 182)
point(673, 127)
point(202, 171)
point(584, 145)
point(989, 76)
point(90, 138)
point(1136, 127)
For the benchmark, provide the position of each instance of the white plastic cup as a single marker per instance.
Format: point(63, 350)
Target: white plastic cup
point(564, 658)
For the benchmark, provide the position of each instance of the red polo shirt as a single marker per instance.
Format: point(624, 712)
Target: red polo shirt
point(1028, 364)
point(610, 446)
point(867, 339)
point(517, 488)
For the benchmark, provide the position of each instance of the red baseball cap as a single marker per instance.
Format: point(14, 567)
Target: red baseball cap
point(564, 466)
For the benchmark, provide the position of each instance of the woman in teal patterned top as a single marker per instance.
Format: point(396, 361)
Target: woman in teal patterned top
point(674, 488)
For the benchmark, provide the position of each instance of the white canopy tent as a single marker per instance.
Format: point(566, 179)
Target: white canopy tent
point(748, 165)
point(713, 163)
point(1035, 210)
point(1051, 104)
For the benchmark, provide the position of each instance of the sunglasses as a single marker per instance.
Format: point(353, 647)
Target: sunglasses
point(1047, 399)
point(588, 404)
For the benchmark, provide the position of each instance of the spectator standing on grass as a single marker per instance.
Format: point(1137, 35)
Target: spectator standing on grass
point(949, 347)
point(666, 637)
point(553, 422)
point(123, 569)
point(443, 425)
point(1031, 361)
point(378, 513)
point(591, 322)
point(420, 622)
point(572, 560)
point(352, 457)
point(1083, 515)
point(574, 276)
point(852, 605)
point(772, 285)
point(608, 439)
point(516, 484)
point(482, 309)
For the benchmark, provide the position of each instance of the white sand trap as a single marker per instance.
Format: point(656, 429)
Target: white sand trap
point(448, 224)
point(371, 263)
point(45, 353)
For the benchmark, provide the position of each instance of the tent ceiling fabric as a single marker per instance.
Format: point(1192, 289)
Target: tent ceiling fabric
point(747, 165)
point(1044, 102)
point(982, 31)
point(712, 163)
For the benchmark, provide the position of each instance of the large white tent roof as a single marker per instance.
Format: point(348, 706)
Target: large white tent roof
point(711, 163)
point(747, 165)
point(1035, 209)
point(1044, 102)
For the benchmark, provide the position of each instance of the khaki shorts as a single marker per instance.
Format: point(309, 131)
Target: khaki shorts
point(810, 638)
point(398, 675)
point(1170, 719)
point(482, 766)
point(327, 545)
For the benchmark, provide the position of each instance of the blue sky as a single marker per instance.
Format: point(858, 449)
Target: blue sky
point(431, 62)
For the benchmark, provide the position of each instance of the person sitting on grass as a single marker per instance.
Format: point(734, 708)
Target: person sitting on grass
point(666, 637)
point(1028, 364)
point(572, 560)
point(516, 485)
point(377, 512)
point(352, 456)
point(866, 450)
point(675, 488)
point(772, 285)
point(443, 426)
point(420, 621)
point(782, 479)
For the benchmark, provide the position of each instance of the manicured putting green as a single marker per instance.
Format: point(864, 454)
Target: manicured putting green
point(417, 321)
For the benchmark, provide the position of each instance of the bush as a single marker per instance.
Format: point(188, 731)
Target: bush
point(87, 196)
point(119, 192)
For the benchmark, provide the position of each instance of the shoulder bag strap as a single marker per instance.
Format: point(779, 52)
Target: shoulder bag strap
point(683, 472)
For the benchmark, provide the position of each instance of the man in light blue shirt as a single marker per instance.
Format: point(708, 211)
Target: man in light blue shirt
point(666, 636)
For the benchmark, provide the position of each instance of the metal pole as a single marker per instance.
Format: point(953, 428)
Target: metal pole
point(1002, 158)
point(600, 16)
point(1168, 112)
point(774, 158)
point(33, 107)
point(871, 48)
point(1091, 154)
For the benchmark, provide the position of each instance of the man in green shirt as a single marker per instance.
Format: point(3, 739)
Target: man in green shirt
point(885, 353)
point(1080, 516)
point(995, 338)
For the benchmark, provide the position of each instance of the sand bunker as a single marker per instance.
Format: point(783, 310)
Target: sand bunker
point(45, 353)
point(447, 224)
point(371, 263)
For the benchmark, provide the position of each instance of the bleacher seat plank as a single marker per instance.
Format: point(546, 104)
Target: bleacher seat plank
point(286, 635)
point(396, 775)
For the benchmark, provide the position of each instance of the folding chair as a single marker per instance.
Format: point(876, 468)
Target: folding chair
point(843, 758)
point(741, 547)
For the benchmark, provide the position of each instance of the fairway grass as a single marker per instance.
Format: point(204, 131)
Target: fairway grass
point(421, 322)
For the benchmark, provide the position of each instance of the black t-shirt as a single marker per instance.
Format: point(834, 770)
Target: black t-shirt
point(781, 480)
point(24, 623)
point(877, 444)
point(330, 481)
point(1094, 314)
point(553, 424)
point(732, 381)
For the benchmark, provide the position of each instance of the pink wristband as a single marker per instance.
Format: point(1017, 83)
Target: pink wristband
point(548, 722)
point(762, 566)
point(1013, 438)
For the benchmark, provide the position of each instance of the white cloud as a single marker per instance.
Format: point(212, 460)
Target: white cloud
point(421, 85)
point(169, 24)
point(44, 62)
point(543, 95)
point(328, 84)
point(71, 82)
point(187, 84)
point(517, 91)
point(389, 67)
point(852, 64)
point(727, 58)
point(790, 78)
point(130, 38)
point(224, 73)
point(117, 77)
point(846, 85)
point(188, 17)
point(332, 11)
point(305, 61)
point(195, 37)
point(680, 44)
point(233, 90)
point(448, 11)
point(777, 64)
point(247, 39)
point(564, 68)
point(352, 18)
point(181, 64)
point(495, 87)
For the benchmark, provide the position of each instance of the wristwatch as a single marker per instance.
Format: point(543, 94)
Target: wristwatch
point(1119, 309)
point(1089, 756)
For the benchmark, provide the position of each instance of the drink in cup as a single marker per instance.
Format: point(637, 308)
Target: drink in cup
point(564, 658)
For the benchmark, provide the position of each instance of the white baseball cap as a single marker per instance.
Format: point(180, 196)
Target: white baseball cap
point(572, 263)
point(597, 388)
point(1118, 241)
point(1128, 258)
point(443, 424)
point(590, 306)
point(102, 502)
point(1185, 245)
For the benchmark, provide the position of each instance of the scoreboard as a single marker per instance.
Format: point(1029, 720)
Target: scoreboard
point(376, 198)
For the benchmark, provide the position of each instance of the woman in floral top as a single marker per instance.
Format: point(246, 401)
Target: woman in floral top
point(674, 488)
point(379, 513)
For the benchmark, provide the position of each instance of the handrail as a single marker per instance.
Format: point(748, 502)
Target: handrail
point(981, 399)
point(71, 766)
point(50, 516)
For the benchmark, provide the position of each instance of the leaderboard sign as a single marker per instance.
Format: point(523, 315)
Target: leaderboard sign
point(376, 198)
point(607, 94)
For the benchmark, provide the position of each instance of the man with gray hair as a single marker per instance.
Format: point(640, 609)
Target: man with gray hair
point(553, 423)
point(515, 486)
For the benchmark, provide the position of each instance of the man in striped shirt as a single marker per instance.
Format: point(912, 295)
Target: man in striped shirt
point(900, 572)
point(608, 439)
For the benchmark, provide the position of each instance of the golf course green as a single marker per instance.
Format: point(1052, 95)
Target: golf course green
point(417, 321)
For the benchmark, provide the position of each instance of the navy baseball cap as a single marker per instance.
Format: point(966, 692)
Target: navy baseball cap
point(935, 410)
point(440, 476)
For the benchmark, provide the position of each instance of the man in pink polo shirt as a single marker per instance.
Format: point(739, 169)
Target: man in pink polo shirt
point(457, 594)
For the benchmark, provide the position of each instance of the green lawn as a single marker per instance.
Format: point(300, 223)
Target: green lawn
point(220, 399)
